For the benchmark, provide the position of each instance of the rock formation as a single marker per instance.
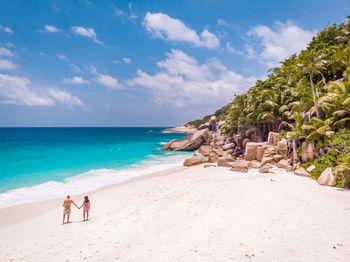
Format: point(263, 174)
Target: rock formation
point(327, 178)
point(189, 143)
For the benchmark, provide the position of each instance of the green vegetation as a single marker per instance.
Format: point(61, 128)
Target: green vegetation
point(308, 96)
point(338, 157)
point(309, 92)
point(220, 114)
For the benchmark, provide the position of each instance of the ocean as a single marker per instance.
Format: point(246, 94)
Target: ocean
point(45, 163)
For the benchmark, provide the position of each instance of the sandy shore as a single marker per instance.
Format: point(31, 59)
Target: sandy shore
point(188, 214)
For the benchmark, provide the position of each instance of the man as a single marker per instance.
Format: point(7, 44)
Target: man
point(66, 208)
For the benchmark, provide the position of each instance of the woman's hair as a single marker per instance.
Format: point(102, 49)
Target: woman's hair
point(86, 199)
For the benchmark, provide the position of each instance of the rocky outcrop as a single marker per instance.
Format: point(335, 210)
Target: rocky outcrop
point(223, 162)
point(212, 124)
point(203, 126)
point(241, 166)
point(327, 178)
point(310, 168)
point(251, 150)
point(196, 160)
point(302, 172)
point(238, 139)
point(205, 150)
point(282, 147)
point(213, 157)
point(277, 158)
point(283, 163)
point(221, 124)
point(245, 142)
point(273, 138)
point(229, 146)
point(259, 153)
point(266, 168)
point(266, 160)
point(308, 152)
point(191, 142)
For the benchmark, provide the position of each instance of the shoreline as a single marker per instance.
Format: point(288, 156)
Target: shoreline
point(10, 216)
point(88, 181)
point(200, 211)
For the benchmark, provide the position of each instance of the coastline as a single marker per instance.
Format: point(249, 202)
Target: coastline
point(200, 211)
point(89, 181)
point(184, 128)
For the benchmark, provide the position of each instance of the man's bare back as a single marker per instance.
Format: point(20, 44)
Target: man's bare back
point(66, 210)
point(67, 203)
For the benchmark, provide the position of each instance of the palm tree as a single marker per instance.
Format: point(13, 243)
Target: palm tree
point(312, 63)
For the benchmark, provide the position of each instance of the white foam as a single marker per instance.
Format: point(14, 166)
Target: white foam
point(88, 181)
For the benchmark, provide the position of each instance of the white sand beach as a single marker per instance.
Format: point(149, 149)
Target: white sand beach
point(188, 214)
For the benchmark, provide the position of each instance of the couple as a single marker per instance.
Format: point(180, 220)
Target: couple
point(67, 204)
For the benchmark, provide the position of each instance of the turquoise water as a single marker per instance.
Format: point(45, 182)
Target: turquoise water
point(56, 156)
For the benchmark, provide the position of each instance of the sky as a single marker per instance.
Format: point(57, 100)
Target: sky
point(143, 63)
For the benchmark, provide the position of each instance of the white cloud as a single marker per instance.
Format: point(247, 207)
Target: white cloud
point(62, 57)
point(163, 26)
point(250, 52)
point(232, 50)
point(17, 90)
point(5, 52)
point(280, 42)
point(76, 80)
point(108, 81)
point(127, 60)
point(6, 29)
point(116, 61)
point(51, 29)
point(87, 32)
point(221, 22)
point(130, 15)
point(63, 97)
point(7, 64)
point(182, 82)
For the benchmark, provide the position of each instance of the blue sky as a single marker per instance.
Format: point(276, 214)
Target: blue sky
point(143, 63)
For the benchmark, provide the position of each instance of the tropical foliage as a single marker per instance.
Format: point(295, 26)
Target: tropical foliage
point(307, 95)
point(306, 98)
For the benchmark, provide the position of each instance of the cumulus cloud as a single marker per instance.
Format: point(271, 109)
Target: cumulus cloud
point(108, 81)
point(51, 29)
point(183, 82)
point(232, 50)
point(6, 29)
point(87, 32)
point(127, 60)
point(7, 64)
point(280, 42)
point(5, 52)
point(76, 80)
point(17, 90)
point(165, 27)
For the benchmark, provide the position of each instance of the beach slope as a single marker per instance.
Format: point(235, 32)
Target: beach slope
point(188, 214)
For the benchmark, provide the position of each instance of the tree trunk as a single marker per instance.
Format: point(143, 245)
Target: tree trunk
point(314, 95)
point(295, 153)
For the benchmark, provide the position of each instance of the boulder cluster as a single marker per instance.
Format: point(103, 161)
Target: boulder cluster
point(241, 152)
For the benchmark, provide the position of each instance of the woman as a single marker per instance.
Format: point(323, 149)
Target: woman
point(86, 209)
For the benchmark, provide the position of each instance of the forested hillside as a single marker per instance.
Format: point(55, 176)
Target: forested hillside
point(306, 99)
